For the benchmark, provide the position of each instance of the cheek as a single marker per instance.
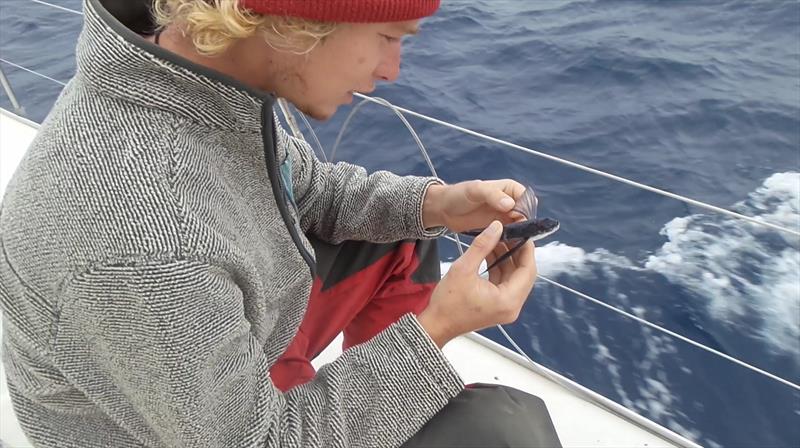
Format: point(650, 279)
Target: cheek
point(316, 76)
point(366, 56)
point(391, 57)
point(296, 81)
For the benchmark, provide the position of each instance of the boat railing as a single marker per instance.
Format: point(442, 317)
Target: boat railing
point(399, 111)
point(10, 93)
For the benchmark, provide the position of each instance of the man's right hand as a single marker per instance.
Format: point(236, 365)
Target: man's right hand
point(464, 302)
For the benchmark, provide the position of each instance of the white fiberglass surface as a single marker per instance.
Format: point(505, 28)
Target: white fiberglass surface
point(579, 423)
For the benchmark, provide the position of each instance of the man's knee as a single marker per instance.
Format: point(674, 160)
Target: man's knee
point(489, 416)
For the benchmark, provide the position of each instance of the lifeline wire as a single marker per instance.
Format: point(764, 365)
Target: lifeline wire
point(623, 180)
point(425, 155)
point(33, 72)
point(402, 118)
point(578, 293)
point(10, 92)
point(57, 7)
point(663, 330)
point(614, 177)
point(286, 109)
point(314, 134)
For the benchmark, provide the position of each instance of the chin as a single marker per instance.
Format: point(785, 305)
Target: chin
point(319, 113)
point(322, 116)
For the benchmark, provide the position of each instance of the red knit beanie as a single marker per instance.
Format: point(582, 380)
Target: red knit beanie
point(364, 11)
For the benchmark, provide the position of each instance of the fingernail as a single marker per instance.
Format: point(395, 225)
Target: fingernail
point(506, 202)
point(495, 228)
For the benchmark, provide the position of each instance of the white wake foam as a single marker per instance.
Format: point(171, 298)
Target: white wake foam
point(735, 268)
point(738, 269)
point(555, 258)
point(741, 269)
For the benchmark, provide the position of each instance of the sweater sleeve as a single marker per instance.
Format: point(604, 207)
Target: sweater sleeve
point(166, 351)
point(341, 201)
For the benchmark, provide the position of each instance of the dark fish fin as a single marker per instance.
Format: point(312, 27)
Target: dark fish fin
point(528, 204)
point(505, 256)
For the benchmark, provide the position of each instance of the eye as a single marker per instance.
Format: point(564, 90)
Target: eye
point(390, 39)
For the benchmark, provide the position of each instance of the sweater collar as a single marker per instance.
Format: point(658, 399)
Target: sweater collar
point(113, 57)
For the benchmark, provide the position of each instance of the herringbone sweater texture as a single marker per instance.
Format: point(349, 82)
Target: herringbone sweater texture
point(148, 280)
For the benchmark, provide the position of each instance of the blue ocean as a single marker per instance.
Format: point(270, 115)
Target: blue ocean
point(697, 97)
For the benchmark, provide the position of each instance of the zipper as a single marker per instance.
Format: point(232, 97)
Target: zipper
point(286, 177)
point(278, 190)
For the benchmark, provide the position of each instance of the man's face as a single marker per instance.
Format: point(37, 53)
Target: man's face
point(349, 60)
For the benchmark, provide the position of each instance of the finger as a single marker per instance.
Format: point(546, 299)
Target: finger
point(488, 291)
point(520, 282)
point(510, 186)
point(481, 247)
point(526, 255)
point(513, 188)
point(491, 193)
point(501, 248)
point(508, 266)
point(495, 273)
point(517, 216)
point(500, 200)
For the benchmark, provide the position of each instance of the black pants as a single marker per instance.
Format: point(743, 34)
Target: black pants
point(489, 416)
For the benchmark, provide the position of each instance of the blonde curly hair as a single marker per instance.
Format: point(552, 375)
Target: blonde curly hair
point(214, 25)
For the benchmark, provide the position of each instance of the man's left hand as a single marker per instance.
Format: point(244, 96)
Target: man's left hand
point(471, 205)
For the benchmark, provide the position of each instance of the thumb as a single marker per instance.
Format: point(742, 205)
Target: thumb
point(481, 247)
point(502, 201)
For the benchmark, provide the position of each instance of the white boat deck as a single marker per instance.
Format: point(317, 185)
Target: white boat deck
point(581, 417)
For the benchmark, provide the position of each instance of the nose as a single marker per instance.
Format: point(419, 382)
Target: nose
point(389, 67)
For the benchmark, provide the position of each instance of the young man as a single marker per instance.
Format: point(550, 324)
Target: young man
point(157, 259)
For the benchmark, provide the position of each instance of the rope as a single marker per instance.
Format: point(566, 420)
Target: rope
point(614, 177)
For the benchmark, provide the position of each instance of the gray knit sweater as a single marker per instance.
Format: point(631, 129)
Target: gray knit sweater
point(153, 269)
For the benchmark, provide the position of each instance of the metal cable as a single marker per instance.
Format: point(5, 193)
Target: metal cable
point(58, 7)
point(662, 329)
point(10, 93)
point(614, 177)
point(314, 135)
point(402, 118)
point(286, 109)
point(576, 292)
point(32, 72)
